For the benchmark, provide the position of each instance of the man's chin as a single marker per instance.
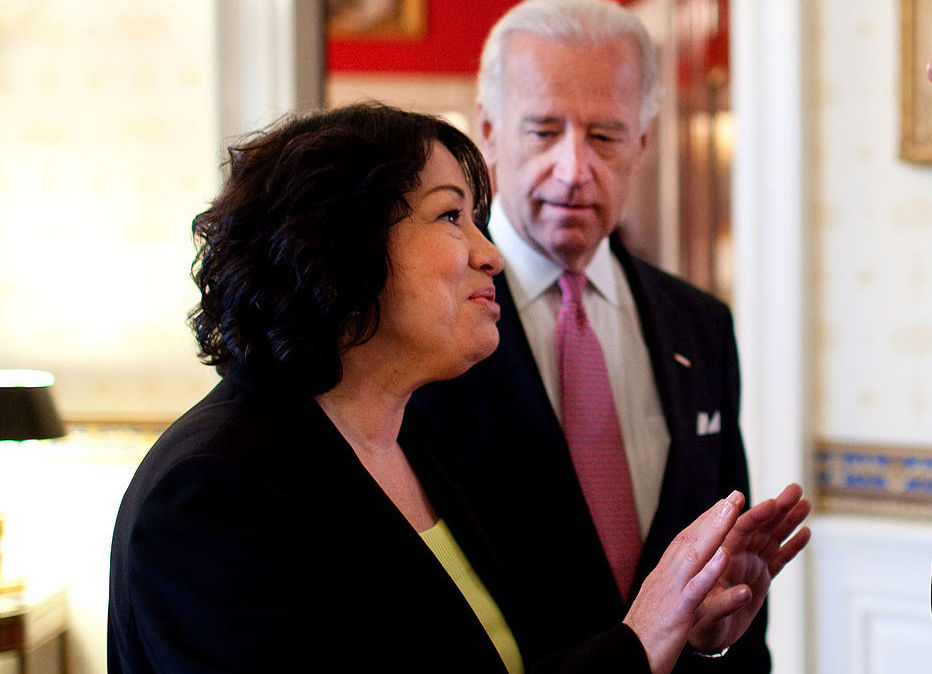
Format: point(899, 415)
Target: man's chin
point(572, 241)
point(563, 239)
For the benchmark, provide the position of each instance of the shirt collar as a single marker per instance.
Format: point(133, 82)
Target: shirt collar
point(530, 273)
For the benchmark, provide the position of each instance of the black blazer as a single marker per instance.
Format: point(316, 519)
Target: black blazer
point(252, 539)
point(512, 460)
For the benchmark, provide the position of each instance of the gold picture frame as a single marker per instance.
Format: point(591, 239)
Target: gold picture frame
point(401, 20)
point(915, 90)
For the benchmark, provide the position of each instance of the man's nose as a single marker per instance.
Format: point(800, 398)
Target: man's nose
point(571, 164)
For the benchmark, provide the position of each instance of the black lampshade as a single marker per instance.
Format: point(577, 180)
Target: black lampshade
point(27, 411)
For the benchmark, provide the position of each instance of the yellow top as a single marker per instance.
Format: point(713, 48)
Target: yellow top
point(448, 552)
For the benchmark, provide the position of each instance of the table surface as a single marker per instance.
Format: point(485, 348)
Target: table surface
point(43, 614)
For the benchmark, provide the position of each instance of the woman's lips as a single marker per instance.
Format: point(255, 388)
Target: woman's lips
point(486, 296)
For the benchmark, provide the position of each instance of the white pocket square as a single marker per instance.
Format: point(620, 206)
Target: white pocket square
point(709, 425)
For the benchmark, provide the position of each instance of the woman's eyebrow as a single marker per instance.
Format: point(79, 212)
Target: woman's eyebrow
point(447, 186)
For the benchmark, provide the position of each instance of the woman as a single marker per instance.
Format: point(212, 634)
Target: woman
point(296, 516)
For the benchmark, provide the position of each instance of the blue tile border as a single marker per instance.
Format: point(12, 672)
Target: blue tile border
point(888, 479)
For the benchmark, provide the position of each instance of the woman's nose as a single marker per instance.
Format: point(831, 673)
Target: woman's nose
point(484, 255)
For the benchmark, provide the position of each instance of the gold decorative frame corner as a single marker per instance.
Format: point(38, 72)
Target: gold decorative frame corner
point(915, 90)
point(408, 21)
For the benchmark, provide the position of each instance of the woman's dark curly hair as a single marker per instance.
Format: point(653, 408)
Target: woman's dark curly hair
point(293, 253)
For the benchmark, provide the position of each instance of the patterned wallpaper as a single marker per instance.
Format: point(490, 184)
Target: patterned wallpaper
point(108, 148)
point(872, 215)
point(874, 222)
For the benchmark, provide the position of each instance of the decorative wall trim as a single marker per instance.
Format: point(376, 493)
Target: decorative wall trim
point(874, 479)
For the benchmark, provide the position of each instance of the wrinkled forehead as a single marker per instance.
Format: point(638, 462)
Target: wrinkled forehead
point(552, 76)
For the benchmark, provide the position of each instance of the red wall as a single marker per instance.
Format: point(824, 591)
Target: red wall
point(456, 30)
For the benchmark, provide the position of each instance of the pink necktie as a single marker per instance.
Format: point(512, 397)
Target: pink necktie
point(592, 432)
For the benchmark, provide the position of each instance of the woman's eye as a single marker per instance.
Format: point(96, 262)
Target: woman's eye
point(451, 216)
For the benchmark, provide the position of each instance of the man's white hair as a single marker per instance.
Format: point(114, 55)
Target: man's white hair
point(585, 22)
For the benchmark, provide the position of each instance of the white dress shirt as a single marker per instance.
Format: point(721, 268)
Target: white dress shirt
point(613, 316)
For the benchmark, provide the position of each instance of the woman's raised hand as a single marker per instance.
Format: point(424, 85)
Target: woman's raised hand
point(714, 576)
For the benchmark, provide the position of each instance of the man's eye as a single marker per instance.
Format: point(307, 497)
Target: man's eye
point(605, 138)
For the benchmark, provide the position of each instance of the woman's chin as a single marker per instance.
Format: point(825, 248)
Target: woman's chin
point(477, 354)
point(487, 348)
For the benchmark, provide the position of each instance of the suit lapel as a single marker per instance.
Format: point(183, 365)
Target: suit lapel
point(661, 328)
point(672, 345)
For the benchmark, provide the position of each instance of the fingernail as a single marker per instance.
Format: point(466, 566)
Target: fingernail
point(735, 497)
point(725, 512)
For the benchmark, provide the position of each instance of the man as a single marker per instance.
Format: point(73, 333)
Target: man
point(567, 89)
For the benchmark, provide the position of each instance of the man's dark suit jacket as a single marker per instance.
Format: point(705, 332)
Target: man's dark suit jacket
point(511, 458)
point(251, 539)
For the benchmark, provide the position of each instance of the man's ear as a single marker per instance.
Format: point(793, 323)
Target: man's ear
point(486, 140)
point(642, 150)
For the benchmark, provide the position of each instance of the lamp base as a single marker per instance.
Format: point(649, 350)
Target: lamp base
point(12, 586)
point(8, 585)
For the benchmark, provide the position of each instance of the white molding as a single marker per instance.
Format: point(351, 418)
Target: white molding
point(668, 148)
point(768, 222)
point(873, 583)
point(270, 61)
